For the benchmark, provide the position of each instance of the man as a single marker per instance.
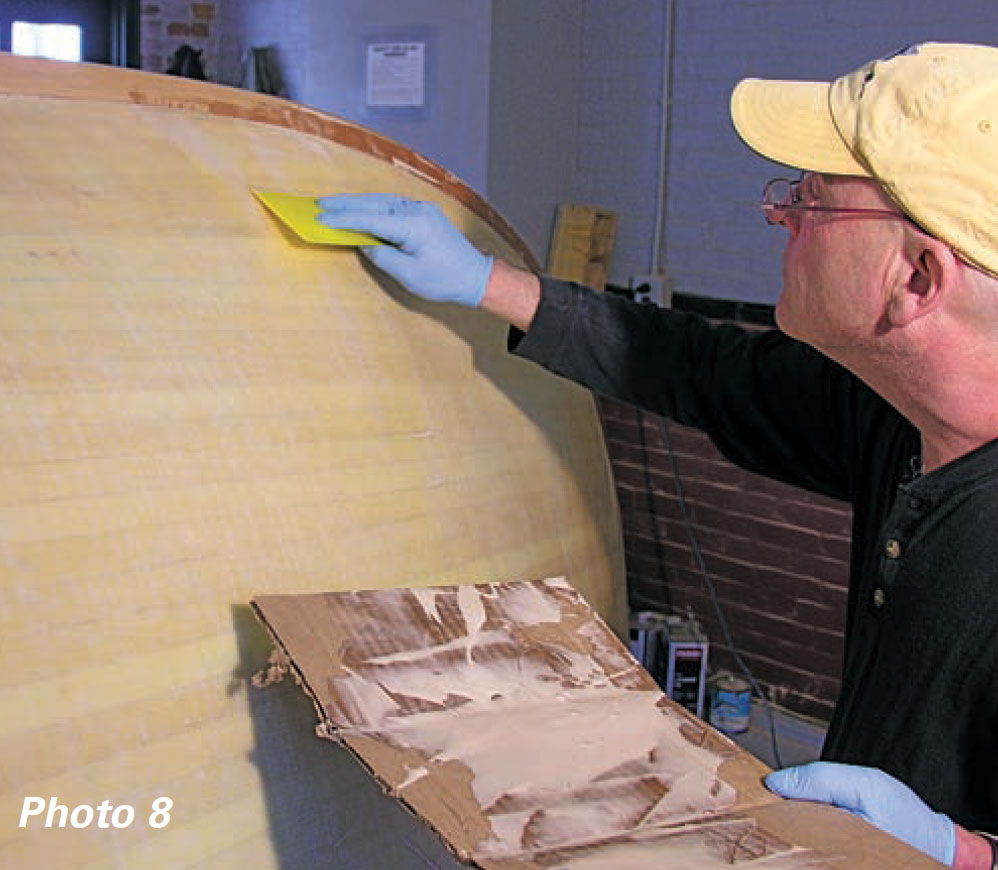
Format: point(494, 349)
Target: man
point(879, 389)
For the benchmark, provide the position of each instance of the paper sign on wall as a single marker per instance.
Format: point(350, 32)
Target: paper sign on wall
point(396, 75)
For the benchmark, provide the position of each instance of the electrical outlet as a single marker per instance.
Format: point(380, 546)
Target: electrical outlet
point(647, 287)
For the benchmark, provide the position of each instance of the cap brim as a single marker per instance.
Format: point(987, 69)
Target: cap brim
point(790, 122)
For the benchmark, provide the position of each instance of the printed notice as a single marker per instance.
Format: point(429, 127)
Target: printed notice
point(396, 75)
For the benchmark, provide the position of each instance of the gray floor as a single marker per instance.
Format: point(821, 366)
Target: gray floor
point(799, 739)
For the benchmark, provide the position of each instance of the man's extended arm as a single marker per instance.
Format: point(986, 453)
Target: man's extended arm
point(767, 402)
point(512, 294)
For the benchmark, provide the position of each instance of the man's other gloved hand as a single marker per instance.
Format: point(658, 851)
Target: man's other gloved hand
point(426, 255)
point(874, 796)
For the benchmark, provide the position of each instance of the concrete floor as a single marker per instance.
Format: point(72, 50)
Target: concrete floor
point(799, 739)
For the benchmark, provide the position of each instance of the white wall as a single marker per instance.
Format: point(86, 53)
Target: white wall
point(620, 123)
point(285, 25)
point(320, 44)
point(717, 243)
point(537, 102)
point(459, 32)
point(534, 114)
point(576, 96)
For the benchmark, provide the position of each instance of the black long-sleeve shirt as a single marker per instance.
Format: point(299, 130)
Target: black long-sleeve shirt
point(919, 696)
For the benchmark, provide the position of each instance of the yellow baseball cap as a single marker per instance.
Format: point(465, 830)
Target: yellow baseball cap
point(923, 124)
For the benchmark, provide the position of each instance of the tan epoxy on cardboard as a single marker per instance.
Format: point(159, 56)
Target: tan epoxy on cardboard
point(564, 739)
point(551, 758)
point(510, 719)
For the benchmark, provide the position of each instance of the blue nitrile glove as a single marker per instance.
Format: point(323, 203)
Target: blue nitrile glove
point(874, 796)
point(427, 254)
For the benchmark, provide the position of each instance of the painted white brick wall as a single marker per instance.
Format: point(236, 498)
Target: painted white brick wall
point(255, 23)
point(619, 110)
point(716, 243)
point(575, 104)
point(320, 47)
point(534, 113)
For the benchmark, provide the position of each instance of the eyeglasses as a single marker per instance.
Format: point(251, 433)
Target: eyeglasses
point(782, 195)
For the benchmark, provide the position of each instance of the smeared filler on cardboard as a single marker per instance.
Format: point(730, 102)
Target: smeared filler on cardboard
point(511, 719)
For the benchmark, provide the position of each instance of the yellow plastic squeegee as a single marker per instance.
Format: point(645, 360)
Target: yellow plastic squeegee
point(298, 213)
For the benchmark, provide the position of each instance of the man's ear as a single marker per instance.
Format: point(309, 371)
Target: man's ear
point(927, 271)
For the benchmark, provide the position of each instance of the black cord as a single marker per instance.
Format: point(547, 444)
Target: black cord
point(663, 431)
point(652, 512)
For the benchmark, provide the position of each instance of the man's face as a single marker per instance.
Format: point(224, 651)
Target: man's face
point(835, 265)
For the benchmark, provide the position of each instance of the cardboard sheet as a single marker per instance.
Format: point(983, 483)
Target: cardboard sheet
point(510, 719)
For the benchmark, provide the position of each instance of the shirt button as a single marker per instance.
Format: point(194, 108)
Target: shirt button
point(879, 597)
point(892, 549)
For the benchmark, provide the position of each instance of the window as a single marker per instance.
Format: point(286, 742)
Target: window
point(57, 41)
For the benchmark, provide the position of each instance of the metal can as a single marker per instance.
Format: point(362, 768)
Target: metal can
point(730, 703)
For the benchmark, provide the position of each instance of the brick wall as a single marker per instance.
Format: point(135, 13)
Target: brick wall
point(165, 25)
point(778, 556)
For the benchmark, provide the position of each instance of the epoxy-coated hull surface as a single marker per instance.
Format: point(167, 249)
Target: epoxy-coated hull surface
point(196, 410)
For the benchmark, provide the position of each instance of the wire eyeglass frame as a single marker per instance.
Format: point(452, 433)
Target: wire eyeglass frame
point(781, 195)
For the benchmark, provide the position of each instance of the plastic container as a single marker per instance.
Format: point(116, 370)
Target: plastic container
point(730, 703)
